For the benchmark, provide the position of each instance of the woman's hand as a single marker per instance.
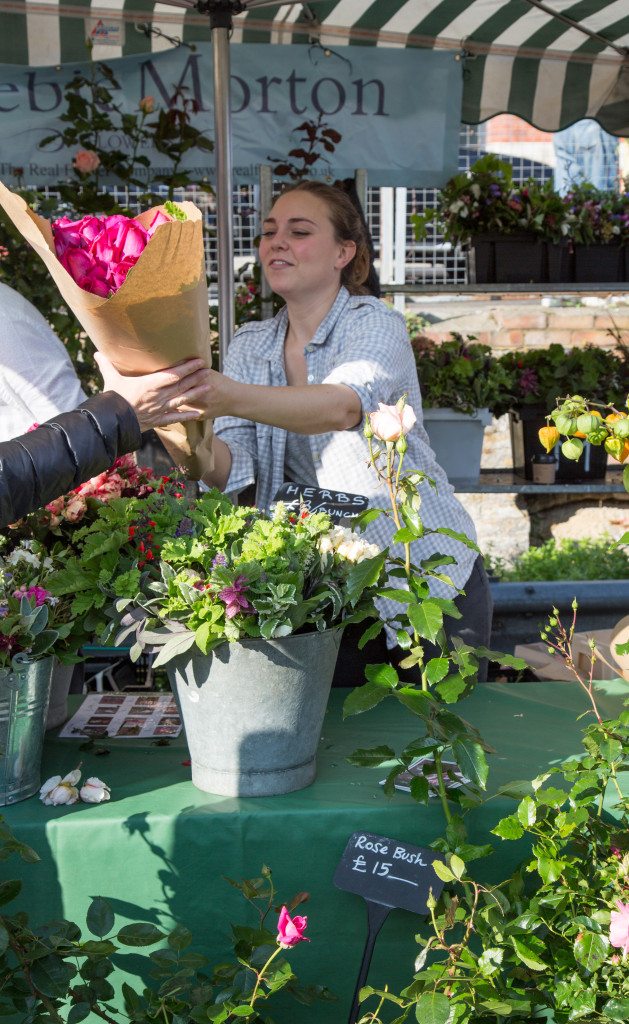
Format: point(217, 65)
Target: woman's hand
point(165, 396)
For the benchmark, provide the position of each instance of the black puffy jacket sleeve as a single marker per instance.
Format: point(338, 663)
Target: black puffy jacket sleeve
point(64, 452)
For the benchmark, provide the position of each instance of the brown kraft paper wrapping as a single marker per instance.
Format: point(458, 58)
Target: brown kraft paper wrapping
point(158, 317)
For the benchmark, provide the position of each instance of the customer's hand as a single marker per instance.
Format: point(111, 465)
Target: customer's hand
point(165, 396)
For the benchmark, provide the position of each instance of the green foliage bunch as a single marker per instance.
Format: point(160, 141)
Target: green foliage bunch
point(459, 373)
point(539, 942)
point(590, 558)
point(597, 217)
point(33, 622)
point(58, 972)
point(185, 573)
point(485, 199)
point(537, 376)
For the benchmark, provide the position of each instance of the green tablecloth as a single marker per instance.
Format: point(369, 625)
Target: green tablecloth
point(159, 850)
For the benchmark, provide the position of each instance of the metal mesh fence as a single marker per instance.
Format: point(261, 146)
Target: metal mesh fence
point(432, 261)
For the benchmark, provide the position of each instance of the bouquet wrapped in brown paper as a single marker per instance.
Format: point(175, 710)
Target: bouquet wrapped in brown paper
point(157, 317)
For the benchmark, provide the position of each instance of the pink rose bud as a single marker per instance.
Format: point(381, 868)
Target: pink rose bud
point(390, 423)
point(619, 927)
point(290, 930)
point(147, 104)
point(86, 161)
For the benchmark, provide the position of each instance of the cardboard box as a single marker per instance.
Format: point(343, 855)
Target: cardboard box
point(552, 666)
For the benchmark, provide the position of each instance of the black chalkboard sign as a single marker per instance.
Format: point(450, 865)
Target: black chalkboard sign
point(340, 505)
point(388, 872)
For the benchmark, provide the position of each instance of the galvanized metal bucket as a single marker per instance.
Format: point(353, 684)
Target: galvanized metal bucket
point(24, 696)
point(58, 706)
point(253, 712)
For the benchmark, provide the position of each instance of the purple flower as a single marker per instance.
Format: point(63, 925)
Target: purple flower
point(528, 382)
point(234, 598)
point(185, 528)
point(219, 559)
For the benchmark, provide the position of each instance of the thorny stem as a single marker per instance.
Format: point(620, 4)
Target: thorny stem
point(260, 975)
point(18, 950)
point(442, 786)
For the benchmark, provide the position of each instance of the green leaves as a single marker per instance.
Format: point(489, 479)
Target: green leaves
point(141, 934)
point(433, 1008)
point(591, 950)
point(530, 951)
point(100, 917)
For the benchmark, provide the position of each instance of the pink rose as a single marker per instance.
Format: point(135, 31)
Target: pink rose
point(147, 104)
point(89, 273)
point(159, 218)
point(390, 423)
point(290, 930)
point(86, 161)
point(619, 927)
point(78, 234)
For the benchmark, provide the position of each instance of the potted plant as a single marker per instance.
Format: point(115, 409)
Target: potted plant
point(55, 527)
point(33, 625)
point(536, 378)
point(599, 229)
point(460, 381)
point(503, 225)
point(239, 605)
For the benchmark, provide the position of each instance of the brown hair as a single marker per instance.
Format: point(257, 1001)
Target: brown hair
point(348, 227)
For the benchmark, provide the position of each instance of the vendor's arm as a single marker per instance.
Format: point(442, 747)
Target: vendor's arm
point(314, 409)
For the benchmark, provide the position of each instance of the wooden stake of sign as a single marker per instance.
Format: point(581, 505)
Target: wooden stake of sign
point(387, 874)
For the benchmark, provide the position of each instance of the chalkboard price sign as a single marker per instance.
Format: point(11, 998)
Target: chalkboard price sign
point(340, 505)
point(388, 872)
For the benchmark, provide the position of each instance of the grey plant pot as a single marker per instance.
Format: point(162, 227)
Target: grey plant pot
point(24, 696)
point(253, 712)
point(457, 441)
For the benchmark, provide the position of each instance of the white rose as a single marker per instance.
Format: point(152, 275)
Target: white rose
point(56, 791)
point(94, 791)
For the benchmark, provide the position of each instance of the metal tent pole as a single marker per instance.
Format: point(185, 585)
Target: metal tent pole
point(220, 25)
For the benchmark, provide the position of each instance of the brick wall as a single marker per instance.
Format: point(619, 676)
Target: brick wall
point(526, 324)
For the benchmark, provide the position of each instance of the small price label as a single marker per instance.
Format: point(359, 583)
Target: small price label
point(388, 872)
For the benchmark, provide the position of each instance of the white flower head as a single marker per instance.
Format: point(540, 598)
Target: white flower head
point(57, 791)
point(94, 791)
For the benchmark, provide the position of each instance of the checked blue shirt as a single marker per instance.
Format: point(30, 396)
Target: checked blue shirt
point(364, 345)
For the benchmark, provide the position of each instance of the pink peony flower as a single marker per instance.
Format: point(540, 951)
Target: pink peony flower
point(290, 930)
point(147, 104)
point(234, 598)
point(390, 423)
point(86, 161)
point(619, 927)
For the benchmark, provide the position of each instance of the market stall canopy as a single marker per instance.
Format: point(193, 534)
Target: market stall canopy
point(548, 61)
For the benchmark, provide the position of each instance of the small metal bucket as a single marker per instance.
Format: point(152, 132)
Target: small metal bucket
point(24, 696)
point(253, 712)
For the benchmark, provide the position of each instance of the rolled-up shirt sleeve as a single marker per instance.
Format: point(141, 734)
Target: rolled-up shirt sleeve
point(374, 351)
point(238, 434)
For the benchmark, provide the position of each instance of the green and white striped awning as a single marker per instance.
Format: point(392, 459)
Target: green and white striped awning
point(548, 61)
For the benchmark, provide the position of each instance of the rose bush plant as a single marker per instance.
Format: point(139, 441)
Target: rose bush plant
point(542, 940)
point(55, 973)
